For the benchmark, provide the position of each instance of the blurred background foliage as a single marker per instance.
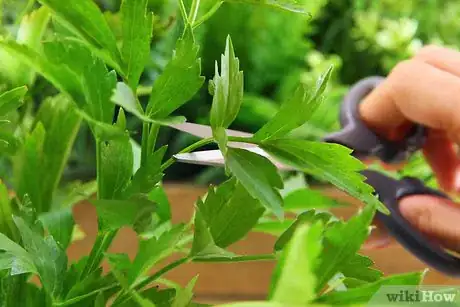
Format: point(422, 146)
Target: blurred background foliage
point(276, 48)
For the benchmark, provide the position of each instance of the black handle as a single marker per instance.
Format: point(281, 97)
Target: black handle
point(406, 234)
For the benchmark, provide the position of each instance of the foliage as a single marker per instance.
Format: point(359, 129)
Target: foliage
point(79, 71)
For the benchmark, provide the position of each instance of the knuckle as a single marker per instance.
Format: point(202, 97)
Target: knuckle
point(428, 52)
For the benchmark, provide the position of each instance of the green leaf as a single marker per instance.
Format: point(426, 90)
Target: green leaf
point(184, 296)
point(60, 225)
point(289, 5)
point(59, 75)
point(295, 112)
point(359, 268)
point(259, 176)
point(297, 281)
point(154, 250)
point(342, 241)
point(84, 19)
point(308, 217)
point(137, 24)
point(180, 80)
point(305, 199)
point(49, 259)
point(116, 168)
point(15, 258)
point(115, 214)
point(96, 82)
point(329, 162)
point(161, 298)
point(12, 100)
point(30, 33)
point(61, 123)
point(203, 243)
point(229, 212)
point(266, 304)
point(27, 169)
point(148, 175)
point(228, 89)
point(120, 263)
point(125, 98)
point(363, 294)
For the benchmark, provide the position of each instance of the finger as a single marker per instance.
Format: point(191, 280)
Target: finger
point(442, 58)
point(441, 155)
point(435, 217)
point(417, 92)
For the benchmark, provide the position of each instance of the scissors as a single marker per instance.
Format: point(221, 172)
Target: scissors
point(365, 143)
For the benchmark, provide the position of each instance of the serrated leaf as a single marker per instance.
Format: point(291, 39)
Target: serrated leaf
point(26, 169)
point(116, 168)
point(363, 294)
point(30, 33)
point(48, 258)
point(230, 212)
point(61, 123)
point(290, 6)
point(15, 258)
point(297, 281)
point(180, 80)
point(228, 89)
point(203, 243)
point(119, 264)
point(184, 296)
point(12, 100)
point(148, 175)
point(96, 81)
point(59, 75)
point(342, 241)
point(308, 217)
point(84, 19)
point(153, 250)
point(114, 214)
point(259, 176)
point(295, 112)
point(329, 162)
point(137, 25)
point(306, 199)
point(359, 268)
point(125, 98)
point(161, 298)
point(60, 225)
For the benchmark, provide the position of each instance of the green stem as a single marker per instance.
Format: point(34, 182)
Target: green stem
point(243, 140)
point(99, 168)
point(188, 149)
point(84, 296)
point(183, 11)
point(208, 14)
point(152, 138)
point(145, 141)
point(122, 299)
point(103, 242)
point(194, 11)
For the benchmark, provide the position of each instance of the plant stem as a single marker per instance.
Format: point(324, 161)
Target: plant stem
point(208, 14)
point(99, 168)
point(145, 141)
point(193, 11)
point(243, 140)
point(103, 241)
point(122, 299)
point(188, 149)
point(183, 12)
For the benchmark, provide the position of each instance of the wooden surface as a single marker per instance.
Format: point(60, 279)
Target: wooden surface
point(240, 281)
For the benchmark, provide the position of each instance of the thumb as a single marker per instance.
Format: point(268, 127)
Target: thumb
point(436, 217)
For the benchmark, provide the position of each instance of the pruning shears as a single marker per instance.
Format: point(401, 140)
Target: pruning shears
point(365, 144)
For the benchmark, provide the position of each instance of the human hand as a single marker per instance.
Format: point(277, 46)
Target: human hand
point(425, 90)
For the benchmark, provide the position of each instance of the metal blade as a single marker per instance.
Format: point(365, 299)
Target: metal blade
point(204, 132)
point(215, 158)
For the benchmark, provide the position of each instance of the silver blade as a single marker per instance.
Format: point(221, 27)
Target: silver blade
point(204, 132)
point(215, 158)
